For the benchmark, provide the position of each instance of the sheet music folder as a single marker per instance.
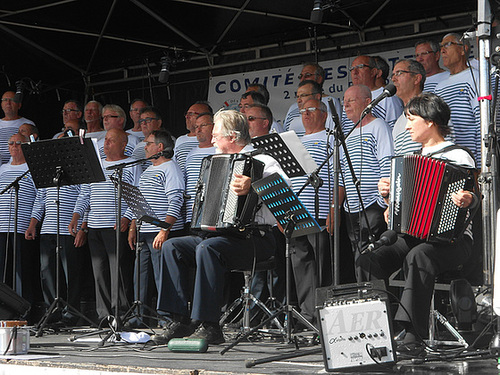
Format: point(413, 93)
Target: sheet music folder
point(283, 203)
point(75, 157)
point(139, 206)
point(288, 151)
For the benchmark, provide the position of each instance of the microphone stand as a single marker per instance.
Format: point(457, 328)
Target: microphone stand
point(340, 141)
point(14, 184)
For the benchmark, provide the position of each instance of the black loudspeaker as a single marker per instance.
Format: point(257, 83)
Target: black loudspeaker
point(12, 306)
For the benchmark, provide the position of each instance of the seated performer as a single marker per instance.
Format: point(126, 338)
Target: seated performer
point(422, 261)
point(213, 254)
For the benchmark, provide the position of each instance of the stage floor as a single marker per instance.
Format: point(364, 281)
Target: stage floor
point(55, 353)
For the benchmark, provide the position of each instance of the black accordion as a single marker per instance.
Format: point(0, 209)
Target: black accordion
point(216, 207)
point(420, 198)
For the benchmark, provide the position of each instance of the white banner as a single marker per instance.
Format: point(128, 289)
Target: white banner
point(225, 91)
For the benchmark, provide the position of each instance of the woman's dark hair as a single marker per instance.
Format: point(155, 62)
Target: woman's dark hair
point(431, 108)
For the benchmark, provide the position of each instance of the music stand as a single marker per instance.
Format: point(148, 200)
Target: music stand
point(287, 149)
point(143, 213)
point(296, 221)
point(55, 163)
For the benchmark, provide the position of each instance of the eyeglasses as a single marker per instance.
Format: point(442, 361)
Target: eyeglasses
point(68, 110)
point(135, 109)
point(397, 73)
point(189, 114)
point(107, 117)
point(203, 125)
point(15, 143)
point(309, 109)
point(306, 95)
point(360, 66)
point(253, 118)
point(147, 120)
point(8, 100)
point(423, 53)
point(306, 75)
point(148, 143)
point(449, 44)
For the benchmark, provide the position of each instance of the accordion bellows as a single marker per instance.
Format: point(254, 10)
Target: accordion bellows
point(420, 198)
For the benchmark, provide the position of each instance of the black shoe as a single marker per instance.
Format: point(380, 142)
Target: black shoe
point(411, 349)
point(212, 333)
point(173, 330)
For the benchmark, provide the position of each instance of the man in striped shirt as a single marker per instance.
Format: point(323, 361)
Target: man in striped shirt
point(187, 142)
point(428, 53)
point(10, 123)
point(409, 78)
point(459, 91)
point(311, 72)
point(99, 199)
point(203, 129)
point(113, 117)
point(45, 211)
point(135, 114)
point(364, 71)
point(370, 149)
point(162, 185)
point(27, 261)
point(310, 254)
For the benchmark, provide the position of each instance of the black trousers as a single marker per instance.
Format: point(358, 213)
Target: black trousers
point(102, 245)
point(421, 263)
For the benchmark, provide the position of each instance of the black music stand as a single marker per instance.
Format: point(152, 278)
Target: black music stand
point(143, 213)
point(287, 149)
point(55, 163)
point(296, 221)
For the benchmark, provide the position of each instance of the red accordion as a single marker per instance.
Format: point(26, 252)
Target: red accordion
point(420, 198)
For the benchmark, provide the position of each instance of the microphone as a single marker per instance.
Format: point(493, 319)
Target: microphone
point(389, 237)
point(164, 72)
point(317, 12)
point(389, 90)
point(18, 98)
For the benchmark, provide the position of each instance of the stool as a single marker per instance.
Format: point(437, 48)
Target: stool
point(246, 297)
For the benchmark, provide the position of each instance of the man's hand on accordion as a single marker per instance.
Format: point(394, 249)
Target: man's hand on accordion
point(384, 186)
point(241, 184)
point(462, 198)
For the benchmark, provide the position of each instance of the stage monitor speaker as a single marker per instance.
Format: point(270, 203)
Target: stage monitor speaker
point(12, 306)
point(355, 326)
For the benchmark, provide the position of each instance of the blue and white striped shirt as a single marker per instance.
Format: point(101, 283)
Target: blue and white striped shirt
point(370, 149)
point(459, 92)
point(45, 208)
point(163, 188)
point(432, 81)
point(183, 145)
point(100, 197)
point(316, 145)
point(27, 195)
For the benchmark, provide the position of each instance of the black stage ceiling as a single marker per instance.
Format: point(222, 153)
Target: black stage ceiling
point(62, 43)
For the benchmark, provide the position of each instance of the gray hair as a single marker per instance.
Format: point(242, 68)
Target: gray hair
point(234, 123)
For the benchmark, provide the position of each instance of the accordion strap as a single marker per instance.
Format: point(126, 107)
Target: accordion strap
point(446, 149)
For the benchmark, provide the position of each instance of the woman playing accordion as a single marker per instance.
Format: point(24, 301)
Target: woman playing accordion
point(422, 260)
